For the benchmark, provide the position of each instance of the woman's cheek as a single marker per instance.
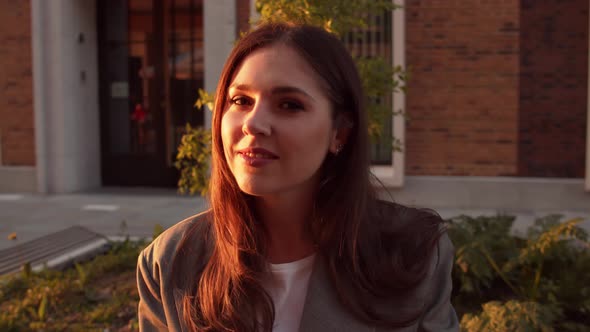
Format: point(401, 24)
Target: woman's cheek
point(227, 134)
point(228, 127)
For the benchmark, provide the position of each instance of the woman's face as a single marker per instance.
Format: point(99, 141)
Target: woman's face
point(277, 127)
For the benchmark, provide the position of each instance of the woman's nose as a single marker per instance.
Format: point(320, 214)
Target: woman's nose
point(258, 120)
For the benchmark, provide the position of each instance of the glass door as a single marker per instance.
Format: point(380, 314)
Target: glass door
point(151, 64)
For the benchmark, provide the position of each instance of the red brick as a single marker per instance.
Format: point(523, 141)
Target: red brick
point(471, 111)
point(553, 95)
point(242, 16)
point(462, 64)
point(16, 86)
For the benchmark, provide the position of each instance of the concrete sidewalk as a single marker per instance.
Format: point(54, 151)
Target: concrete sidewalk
point(108, 211)
point(135, 212)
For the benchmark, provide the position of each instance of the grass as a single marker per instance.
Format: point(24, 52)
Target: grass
point(97, 295)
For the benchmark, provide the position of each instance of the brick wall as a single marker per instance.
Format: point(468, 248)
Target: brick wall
point(16, 84)
point(242, 16)
point(554, 74)
point(463, 91)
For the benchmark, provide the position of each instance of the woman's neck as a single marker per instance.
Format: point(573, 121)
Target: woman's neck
point(286, 218)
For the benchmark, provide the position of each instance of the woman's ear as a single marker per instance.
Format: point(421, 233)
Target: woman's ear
point(343, 127)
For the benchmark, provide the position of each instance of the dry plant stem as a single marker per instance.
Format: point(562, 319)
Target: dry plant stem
point(487, 255)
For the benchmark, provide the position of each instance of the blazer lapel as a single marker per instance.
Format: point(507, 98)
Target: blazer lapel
point(322, 311)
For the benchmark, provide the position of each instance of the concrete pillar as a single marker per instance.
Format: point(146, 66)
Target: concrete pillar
point(65, 74)
point(219, 25)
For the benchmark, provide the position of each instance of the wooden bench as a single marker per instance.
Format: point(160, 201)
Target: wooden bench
point(55, 251)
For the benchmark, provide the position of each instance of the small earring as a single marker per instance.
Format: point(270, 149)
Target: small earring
point(338, 149)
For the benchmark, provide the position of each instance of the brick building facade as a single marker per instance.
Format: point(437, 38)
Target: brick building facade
point(497, 88)
point(17, 134)
point(463, 92)
point(553, 88)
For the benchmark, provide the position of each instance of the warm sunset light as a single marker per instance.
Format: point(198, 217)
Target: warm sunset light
point(294, 165)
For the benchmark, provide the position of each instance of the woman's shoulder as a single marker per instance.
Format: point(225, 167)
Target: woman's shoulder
point(156, 276)
point(166, 246)
point(416, 230)
point(419, 235)
point(396, 216)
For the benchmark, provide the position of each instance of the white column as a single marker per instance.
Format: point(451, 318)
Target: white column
point(399, 98)
point(65, 76)
point(219, 25)
point(392, 176)
point(38, 29)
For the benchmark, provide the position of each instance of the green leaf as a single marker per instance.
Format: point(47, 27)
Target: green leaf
point(205, 99)
point(192, 159)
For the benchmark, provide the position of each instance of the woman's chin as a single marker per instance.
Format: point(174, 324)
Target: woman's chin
point(256, 189)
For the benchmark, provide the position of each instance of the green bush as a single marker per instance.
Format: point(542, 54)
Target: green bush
point(192, 160)
point(534, 283)
point(511, 316)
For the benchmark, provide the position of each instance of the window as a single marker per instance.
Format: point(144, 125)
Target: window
point(385, 37)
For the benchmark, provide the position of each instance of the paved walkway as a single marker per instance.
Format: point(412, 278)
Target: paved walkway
point(109, 211)
point(118, 212)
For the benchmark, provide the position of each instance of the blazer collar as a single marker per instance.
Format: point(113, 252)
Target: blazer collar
point(322, 310)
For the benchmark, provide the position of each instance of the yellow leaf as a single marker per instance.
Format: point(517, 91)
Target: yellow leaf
point(12, 236)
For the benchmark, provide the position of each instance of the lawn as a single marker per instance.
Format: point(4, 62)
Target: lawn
point(99, 295)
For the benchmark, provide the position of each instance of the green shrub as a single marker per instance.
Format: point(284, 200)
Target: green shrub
point(511, 316)
point(192, 160)
point(481, 244)
point(549, 272)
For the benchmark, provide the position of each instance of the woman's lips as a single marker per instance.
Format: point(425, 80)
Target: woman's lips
point(257, 157)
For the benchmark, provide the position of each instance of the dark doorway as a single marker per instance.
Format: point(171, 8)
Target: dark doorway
point(151, 67)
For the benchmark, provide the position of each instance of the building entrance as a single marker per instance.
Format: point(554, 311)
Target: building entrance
point(150, 70)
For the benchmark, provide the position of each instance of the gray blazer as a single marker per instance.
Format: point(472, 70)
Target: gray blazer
point(160, 308)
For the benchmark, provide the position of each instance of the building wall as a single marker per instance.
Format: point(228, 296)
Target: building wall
point(242, 16)
point(17, 136)
point(497, 88)
point(553, 89)
point(462, 96)
point(482, 99)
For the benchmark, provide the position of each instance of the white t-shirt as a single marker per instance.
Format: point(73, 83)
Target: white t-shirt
point(287, 286)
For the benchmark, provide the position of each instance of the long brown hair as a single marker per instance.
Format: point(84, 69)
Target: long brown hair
point(372, 250)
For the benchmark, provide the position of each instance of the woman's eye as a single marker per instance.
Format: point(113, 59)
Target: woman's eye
point(240, 101)
point(291, 105)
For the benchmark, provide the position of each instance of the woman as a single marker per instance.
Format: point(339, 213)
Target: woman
point(295, 238)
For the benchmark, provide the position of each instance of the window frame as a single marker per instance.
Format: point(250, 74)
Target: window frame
point(393, 176)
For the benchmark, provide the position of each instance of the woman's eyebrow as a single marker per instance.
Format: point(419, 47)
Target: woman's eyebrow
point(274, 91)
point(290, 89)
point(242, 87)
